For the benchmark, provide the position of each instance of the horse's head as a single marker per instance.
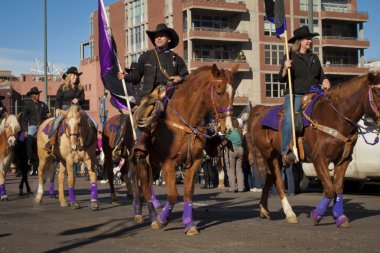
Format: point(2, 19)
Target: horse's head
point(222, 94)
point(74, 126)
point(374, 96)
point(10, 127)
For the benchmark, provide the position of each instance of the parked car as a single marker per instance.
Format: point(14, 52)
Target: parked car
point(365, 164)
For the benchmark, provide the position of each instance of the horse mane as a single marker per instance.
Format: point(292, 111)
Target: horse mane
point(344, 89)
point(12, 122)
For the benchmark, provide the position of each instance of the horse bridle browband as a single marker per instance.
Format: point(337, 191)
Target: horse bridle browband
point(224, 112)
point(372, 102)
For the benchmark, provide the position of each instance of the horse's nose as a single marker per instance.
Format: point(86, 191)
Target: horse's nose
point(12, 141)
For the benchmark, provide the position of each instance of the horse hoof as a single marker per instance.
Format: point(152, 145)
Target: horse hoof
point(315, 217)
point(156, 225)
point(342, 222)
point(115, 202)
point(53, 196)
point(138, 219)
point(292, 220)
point(4, 198)
point(94, 205)
point(192, 231)
point(63, 204)
point(74, 205)
point(265, 215)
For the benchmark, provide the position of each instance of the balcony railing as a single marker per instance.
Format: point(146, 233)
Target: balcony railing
point(343, 38)
point(218, 60)
point(210, 29)
point(217, 1)
point(340, 8)
point(338, 65)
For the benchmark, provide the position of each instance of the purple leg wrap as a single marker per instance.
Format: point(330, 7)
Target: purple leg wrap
point(71, 194)
point(3, 192)
point(156, 202)
point(187, 217)
point(137, 207)
point(166, 211)
point(51, 188)
point(338, 206)
point(152, 212)
point(322, 206)
point(341, 219)
point(94, 191)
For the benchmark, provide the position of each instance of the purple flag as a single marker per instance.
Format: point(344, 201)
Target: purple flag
point(107, 55)
point(275, 13)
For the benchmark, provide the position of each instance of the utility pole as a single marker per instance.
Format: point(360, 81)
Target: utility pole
point(310, 16)
point(45, 54)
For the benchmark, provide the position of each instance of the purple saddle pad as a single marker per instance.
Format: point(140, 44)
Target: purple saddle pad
point(272, 118)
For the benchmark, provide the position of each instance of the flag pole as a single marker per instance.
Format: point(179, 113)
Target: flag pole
point(123, 81)
point(295, 151)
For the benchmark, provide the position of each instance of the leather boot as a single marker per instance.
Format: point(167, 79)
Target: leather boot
point(289, 159)
point(140, 147)
point(49, 145)
point(117, 150)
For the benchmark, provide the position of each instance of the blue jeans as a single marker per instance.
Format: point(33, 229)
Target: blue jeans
point(287, 123)
point(287, 174)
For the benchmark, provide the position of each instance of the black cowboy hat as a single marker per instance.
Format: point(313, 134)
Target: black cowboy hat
point(71, 70)
point(174, 39)
point(300, 33)
point(33, 90)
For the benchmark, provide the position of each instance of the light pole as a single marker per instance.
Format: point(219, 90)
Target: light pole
point(45, 53)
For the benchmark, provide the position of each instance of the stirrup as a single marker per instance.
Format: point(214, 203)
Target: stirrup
point(289, 159)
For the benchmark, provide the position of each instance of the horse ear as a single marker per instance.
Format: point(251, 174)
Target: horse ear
point(215, 71)
point(373, 76)
point(235, 69)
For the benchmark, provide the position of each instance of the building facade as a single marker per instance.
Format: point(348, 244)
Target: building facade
point(229, 32)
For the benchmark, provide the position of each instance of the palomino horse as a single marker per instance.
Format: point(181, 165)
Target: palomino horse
point(9, 129)
point(330, 139)
point(76, 142)
point(179, 138)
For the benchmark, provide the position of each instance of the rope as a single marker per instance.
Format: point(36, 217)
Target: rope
point(138, 116)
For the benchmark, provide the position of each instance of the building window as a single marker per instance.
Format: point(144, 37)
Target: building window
point(336, 5)
point(210, 21)
point(273, 88)
point(274, 54)
point(212, 52)
point(305, 21)
point(136, 12)
point(91, 25)
point(304, 5)
point(269, 28)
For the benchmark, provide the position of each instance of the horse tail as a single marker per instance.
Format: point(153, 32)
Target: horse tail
point(258, 161)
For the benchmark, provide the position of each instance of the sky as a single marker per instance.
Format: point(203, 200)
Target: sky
point(22, 31)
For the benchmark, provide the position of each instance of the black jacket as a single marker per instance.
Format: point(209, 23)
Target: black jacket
point(149, 68)
point(35, 113)
point(2, 109)
point(306, 71)
point(65, 97)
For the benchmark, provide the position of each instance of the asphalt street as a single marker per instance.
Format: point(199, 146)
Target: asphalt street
point(228, 222)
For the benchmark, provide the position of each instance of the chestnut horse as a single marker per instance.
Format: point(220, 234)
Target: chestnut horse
point(9, 129)
point(179, 138)
point(108, 140)
point(76, 143)
point(330, 139)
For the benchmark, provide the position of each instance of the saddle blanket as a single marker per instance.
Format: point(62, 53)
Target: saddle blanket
point(272, 118)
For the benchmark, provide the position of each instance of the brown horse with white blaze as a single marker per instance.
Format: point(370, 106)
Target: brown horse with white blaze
point(179, 138)
point(330, 139)
point(76, 143)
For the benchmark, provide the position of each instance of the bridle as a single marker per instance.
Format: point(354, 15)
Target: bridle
point(372, 102)
point(220, 113)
